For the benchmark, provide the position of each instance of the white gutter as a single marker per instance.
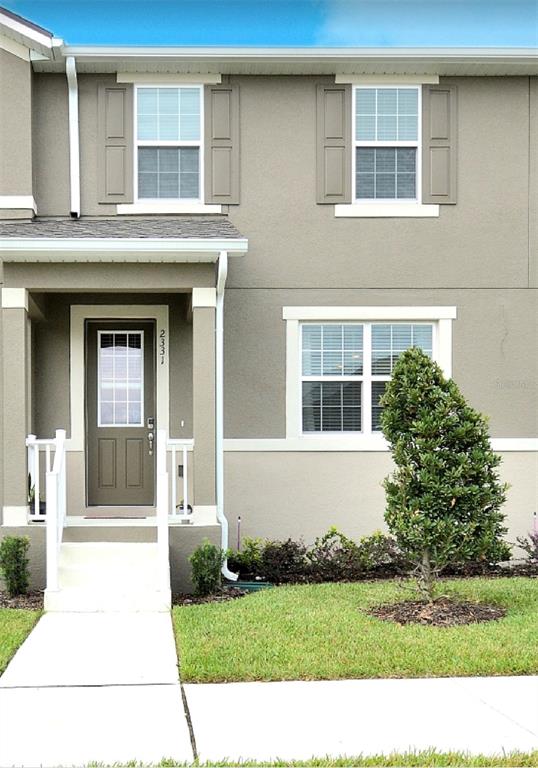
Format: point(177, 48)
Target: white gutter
point(74, 153)
point(222, 272)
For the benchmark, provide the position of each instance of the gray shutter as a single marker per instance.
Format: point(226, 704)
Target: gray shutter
point(221, 116)
point(439, 142)
point(116, 148)
point(333, 152)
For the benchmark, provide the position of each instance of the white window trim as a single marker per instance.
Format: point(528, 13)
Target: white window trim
point(441, 319)
point(161, 204)
point(389, 208)
point(99, 382)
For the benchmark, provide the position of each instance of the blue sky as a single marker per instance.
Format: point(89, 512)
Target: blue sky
point(287, 22)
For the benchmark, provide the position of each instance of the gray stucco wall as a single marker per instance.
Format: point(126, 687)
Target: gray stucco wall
point(15, 127)
point(493, 337)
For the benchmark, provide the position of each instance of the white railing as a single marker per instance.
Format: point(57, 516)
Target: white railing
point(37, 473)
point(55, 504)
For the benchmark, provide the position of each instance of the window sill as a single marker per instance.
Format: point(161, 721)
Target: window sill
point(148, 208)
point(386, 210)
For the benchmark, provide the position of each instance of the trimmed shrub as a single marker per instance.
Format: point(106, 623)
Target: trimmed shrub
point(14, 564)
point(444, 499)
point(283, 562)
point(529, 545)
point(206, 562)
point(247, 560)
point(335, 557)
point(380, 555)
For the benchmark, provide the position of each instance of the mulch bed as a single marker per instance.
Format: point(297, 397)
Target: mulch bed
point(442, 613)
point(226, 594)
point(31, 601)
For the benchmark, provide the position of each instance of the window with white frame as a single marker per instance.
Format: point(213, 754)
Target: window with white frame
point(386, 143)
point(168, 143)
point(345, 368)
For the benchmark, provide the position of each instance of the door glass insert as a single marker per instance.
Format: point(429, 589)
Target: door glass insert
point(120, 381)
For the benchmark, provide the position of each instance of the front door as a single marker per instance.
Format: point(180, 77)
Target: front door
point(120, 412)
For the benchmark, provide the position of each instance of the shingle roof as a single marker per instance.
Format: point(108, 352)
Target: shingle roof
point(168, 228)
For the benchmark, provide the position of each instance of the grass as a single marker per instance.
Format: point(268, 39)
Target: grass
point(321, 632)
point(15, 626)
point(429, 759)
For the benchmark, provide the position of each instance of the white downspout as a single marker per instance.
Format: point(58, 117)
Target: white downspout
point(74, 152)
point(222, 272)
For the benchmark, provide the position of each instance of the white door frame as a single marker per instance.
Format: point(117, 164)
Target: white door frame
point(77, 373)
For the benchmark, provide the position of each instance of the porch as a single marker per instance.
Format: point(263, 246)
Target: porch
point(112, 378)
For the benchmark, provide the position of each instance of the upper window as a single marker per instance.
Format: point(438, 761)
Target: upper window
point(345, 369)
point(168, 143)
point(387, 140)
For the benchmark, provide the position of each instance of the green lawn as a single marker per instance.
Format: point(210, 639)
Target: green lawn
point(15, 626)
point(320, 632)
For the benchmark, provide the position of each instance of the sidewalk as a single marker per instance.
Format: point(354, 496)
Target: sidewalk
point(93, 687)
point(105, 688)
point(298, 720)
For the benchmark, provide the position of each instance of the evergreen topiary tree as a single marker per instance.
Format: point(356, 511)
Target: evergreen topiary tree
point(444, 499)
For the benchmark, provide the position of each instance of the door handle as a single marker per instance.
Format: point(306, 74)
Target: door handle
point(150, 441)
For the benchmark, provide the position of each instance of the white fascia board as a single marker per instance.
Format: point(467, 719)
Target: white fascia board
point(25, 34)
point(105, 249)
point(305, 52)
point(369, 313)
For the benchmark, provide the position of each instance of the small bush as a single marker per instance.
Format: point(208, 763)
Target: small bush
point(206, 562)
point(247, 560)
point(380, 555)
point(283, 562)
point(14, 564)
point(529, 545)
point(334, 557)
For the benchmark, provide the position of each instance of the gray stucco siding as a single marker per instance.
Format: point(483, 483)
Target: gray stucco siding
point(495, 337)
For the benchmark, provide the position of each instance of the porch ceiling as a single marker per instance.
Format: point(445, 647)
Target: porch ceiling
point(121, 238)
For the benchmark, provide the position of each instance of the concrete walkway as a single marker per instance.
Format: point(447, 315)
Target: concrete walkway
point(298, 720)
point(94, 687)
point(104, 687)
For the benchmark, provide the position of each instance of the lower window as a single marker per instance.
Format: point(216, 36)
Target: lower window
point(345, 369)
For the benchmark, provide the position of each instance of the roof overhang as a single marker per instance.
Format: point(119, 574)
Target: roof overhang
point(29, 35)
point(172, 250)
point(300, 61)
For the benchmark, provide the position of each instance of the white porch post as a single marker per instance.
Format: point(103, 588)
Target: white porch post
point(162, 512)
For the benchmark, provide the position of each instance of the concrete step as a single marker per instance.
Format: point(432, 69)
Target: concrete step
point(102, 600)
point(110, 533)
point(100, 554)
point(108, 576)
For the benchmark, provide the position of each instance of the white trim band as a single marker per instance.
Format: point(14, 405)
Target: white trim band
point(387, 313)
point(168, 78)
point(386, 79)
point(385, 210)
point(373, 444)
point(148, 208)
point(204, 297)
point(18, 203)
point(15, 517)
point(15, 298)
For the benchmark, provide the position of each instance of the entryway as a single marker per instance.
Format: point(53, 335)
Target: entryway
point(120, 413)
